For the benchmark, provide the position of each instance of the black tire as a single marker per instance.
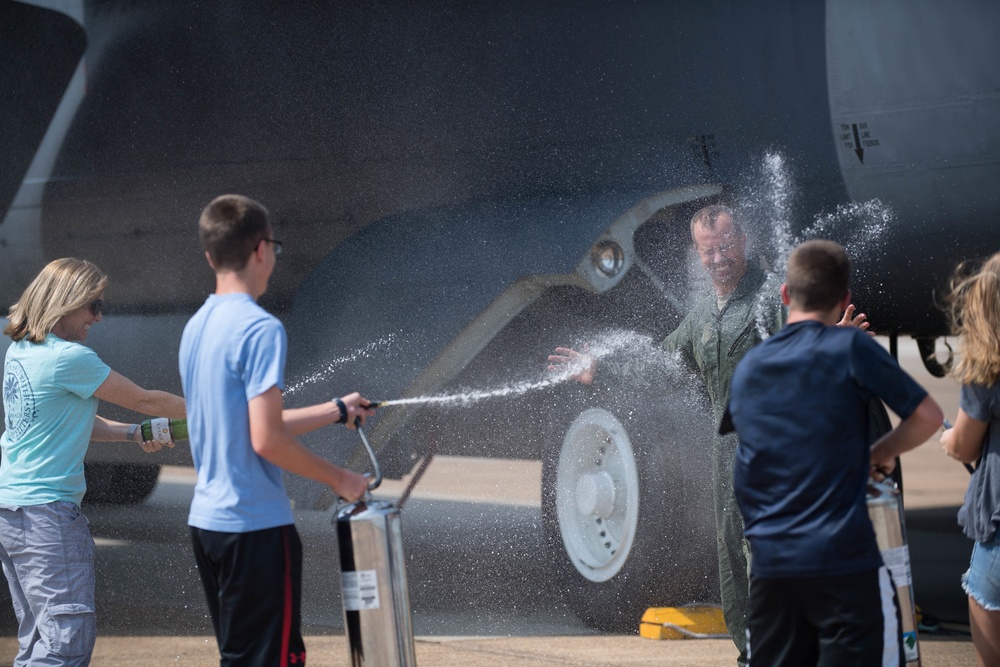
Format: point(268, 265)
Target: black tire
point(119, 483)
point(643, 545)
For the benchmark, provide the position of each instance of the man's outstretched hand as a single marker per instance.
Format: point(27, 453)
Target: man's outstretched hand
point(578, 366)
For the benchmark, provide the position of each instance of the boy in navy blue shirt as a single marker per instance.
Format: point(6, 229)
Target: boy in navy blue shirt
point(819, 592)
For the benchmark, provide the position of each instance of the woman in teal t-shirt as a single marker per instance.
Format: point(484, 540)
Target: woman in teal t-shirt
point(51, 388)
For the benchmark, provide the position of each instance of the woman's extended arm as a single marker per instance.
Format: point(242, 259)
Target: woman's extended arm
point(119, 390)
point(106, 430)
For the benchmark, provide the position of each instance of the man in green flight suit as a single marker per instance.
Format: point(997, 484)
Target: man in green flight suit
point(743, 309)
point(713, 338)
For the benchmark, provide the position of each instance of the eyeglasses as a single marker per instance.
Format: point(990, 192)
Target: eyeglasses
point(97, 307)
point(274, 242)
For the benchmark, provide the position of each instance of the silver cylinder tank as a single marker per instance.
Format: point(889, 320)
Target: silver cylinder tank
point(376, 601)
point(885, 509)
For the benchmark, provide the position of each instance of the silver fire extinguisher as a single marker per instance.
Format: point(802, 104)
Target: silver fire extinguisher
point(885, 509)
point(376, 600)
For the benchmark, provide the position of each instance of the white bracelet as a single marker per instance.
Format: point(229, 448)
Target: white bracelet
point(131, 432)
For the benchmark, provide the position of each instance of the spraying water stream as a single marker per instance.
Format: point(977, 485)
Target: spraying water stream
point(331, 366)
point(860, 227)
point(637, 350)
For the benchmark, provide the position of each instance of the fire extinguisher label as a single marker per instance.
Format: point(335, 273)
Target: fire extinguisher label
point(897, 561)
point(360, 590)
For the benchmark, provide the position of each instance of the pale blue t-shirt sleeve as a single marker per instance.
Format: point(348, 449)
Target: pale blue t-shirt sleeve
point(80, 371)
point(262, 357)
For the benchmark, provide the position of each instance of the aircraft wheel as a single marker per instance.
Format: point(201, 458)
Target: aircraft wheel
point(627, 517)
point(119, 483)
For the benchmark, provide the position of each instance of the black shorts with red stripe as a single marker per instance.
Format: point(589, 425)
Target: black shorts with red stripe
point(253, 586)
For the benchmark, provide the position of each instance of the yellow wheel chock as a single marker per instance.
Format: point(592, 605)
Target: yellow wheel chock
point(696, 621)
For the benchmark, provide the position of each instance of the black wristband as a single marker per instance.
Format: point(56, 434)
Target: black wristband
point(343, 411)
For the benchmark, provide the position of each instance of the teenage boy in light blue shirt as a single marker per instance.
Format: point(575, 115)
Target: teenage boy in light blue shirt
point(232, 364)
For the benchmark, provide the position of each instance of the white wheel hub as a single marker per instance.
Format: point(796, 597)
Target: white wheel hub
point(597, 494)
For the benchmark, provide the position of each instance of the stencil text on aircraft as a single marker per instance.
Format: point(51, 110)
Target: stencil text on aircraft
point(856, 137)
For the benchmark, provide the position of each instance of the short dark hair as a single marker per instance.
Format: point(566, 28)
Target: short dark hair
point(819, 275)
point(230, 228)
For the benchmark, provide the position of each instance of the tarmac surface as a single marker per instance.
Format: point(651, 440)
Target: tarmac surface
point(490, 652)
point(480, 611)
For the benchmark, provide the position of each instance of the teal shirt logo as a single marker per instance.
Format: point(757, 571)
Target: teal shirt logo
point(18, 400)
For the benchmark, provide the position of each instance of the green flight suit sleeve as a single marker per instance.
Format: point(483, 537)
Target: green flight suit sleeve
point(681, 341)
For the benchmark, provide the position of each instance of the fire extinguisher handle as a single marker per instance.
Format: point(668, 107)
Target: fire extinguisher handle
point(372, 484)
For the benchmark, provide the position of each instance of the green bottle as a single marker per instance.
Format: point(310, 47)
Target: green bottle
point(164, 430)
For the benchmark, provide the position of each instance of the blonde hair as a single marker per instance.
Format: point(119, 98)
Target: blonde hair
point(64, 285)
point(974, 311)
